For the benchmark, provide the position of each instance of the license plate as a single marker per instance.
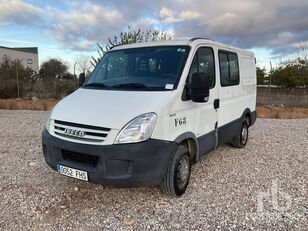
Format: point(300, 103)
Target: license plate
point(72, 172)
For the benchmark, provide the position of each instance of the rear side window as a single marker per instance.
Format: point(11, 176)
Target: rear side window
point(204, 62)
point(229, 69)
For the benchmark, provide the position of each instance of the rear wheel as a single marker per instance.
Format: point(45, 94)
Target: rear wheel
point(241, 139)
point(176, 178)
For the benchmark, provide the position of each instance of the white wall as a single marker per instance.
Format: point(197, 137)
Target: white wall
point(25, 57)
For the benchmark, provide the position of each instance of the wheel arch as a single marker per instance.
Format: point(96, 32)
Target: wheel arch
point(189, 140)
point(247, 114)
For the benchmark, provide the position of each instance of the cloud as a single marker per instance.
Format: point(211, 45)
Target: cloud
point(19, 13)
point(276, 25)
point(169, 16)
point(249, 24)
point(165, 12)
point(85, 24)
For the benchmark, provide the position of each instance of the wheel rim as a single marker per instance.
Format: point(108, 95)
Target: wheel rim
point(183, 171)
point(244, 134)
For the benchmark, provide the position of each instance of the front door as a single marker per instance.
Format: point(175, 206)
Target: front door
point(206, 114)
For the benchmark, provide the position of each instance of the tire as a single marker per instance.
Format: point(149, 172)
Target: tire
point(176, 178)
point(241, 139)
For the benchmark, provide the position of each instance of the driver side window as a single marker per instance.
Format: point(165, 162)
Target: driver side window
point(204, 62)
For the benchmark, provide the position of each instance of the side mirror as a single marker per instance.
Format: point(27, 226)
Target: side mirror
point(198, 87)
point(82, 79)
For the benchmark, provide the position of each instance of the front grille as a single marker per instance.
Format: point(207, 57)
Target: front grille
point(80, 157)
point(80, 131)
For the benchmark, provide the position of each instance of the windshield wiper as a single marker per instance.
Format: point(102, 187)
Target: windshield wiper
point(95, 85)
point(129, 85)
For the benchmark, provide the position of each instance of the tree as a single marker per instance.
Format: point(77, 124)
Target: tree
point(52, 69)
point(303, 53)
point(83, 62)
point(128, 37)
point(8, 77)
point(291, 75)
point(261, 74)
point(294, 72)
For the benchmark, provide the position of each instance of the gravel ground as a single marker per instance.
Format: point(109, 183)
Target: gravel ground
point(223, 193)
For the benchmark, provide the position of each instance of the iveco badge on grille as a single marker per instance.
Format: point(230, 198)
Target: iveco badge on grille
point(72, 132)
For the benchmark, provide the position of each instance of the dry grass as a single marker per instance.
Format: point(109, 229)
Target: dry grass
point(282, 112)
point(47, 104)
point(37, 105)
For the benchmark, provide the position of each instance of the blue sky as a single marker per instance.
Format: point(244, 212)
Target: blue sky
point(64, 29)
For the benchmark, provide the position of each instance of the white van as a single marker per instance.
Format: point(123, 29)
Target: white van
point(150, 110)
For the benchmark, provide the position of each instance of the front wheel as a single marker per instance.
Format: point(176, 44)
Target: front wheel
point(241, 139)
point(176, 178)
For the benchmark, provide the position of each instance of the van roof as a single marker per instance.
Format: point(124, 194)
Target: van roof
point(183, 42)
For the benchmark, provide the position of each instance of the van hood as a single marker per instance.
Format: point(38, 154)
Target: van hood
point(106, 108)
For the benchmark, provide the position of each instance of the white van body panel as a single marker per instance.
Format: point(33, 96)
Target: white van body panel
point(109, 109)
point(200, 118)
point(235, 99)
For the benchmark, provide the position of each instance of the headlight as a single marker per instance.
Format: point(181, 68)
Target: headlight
point(137, 130)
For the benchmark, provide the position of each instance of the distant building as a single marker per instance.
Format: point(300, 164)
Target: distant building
point(27, 55)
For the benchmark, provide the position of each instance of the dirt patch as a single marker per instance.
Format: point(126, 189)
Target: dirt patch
point(282, 112)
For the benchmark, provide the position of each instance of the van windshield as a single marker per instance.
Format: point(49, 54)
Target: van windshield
point(146, 69)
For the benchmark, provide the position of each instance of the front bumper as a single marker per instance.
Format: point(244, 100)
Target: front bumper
point(121, 165)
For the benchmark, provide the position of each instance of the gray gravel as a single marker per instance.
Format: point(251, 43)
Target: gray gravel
point(223, 192)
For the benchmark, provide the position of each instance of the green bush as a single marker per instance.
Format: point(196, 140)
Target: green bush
point(291, 74)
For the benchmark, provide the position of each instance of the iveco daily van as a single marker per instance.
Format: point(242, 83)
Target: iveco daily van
point(149, 111)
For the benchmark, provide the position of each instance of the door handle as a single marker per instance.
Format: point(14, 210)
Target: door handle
point(216, 103)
